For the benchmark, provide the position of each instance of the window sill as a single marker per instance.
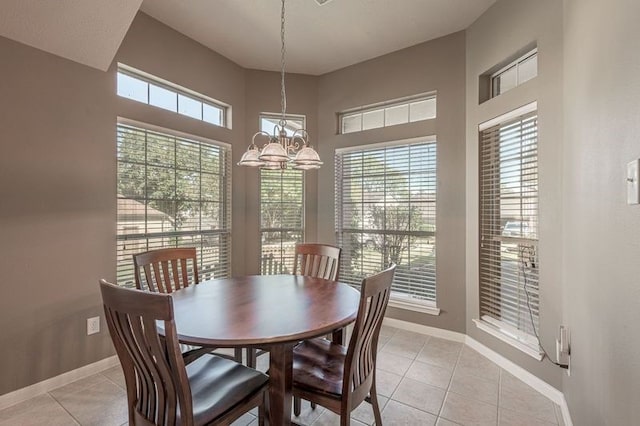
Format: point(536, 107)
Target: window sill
point(416, 307)
point(501, 334)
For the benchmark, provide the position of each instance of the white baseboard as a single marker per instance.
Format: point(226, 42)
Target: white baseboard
point(538, 384)
point(425, 329)
point(47, 385)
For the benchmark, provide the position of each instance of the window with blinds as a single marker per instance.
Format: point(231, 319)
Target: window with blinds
point(386, 212)
point(509, 291)
point(172, 192)
point(281, 207)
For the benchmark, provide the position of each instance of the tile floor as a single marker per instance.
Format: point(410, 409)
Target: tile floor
point(422, 381)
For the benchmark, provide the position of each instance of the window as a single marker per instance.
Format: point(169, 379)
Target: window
point(407, 110)
point(386, 212)
point(145, 88)
point(172, 192)
point(509, 291)
point(515, 73)
point(281, 207)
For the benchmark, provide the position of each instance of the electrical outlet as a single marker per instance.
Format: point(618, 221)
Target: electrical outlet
point(93, 325)
point(563, 347)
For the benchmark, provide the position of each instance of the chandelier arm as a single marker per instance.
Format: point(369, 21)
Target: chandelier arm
point(301, 134)
point(261, 132)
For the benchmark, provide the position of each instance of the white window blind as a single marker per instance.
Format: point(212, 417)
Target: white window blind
point(281, 207)
point(386, 212)
point(509, 291)
point(172, 192)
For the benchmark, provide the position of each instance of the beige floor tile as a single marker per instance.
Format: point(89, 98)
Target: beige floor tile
point(411, 336)
point(513, 418)
point(469, 412)
point(429, 374)
point(475, 364)
point(364, 412)
point(445, 422)
point(262, 363)
point(386, 382)
point(475, 387)
point(398, 414)
point(419, 395)
point(116, 375)
point(245, 420)
point(395, 364)
point(80, 385)
point(440, 352)
point(329, 418)
point(387, 331)
point(406, 348)
point(41, 410)
point(104, 403)
point(307, 415)
point(517, 396)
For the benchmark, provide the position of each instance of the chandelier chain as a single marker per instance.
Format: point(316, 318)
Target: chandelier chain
point(283, 92)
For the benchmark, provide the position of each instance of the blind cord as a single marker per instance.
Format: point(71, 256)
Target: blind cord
point(523, 265)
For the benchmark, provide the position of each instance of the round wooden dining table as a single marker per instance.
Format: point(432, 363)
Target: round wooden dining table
point(272, 312)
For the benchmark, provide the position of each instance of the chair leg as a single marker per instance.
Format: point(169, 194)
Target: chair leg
point(373, 396)
point(337, 336)
point(313, 405)
point(345, 419)
point(251, 357)
point(297, 406)
point(262, 409)
point(237, 355)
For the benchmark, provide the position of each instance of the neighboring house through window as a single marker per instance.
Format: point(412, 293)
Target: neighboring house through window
point(173, 191)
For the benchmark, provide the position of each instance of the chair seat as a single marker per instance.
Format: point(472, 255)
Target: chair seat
point(218, 384)
point(318, 365)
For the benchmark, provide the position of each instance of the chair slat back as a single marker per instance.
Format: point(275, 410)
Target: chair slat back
point(165, 270)
point(155, 374)
point(317, 260)
point(363, 346)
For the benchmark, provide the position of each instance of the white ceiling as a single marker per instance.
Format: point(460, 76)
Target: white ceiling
point(319, 39)
point(84, 31)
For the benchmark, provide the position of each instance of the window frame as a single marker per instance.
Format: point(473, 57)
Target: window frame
point(283, 258)
point(515, 63)
point(506, 330)
point(149, 80)
point(383, 107)
point(397, 299)
point(223, 234)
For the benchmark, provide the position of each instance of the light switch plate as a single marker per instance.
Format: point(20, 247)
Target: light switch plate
point(633, 196)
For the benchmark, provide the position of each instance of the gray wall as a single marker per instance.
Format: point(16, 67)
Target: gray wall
point(601, 252)
point(503, 30)
point(437, 65)
point(57, 188)
point(57, 197)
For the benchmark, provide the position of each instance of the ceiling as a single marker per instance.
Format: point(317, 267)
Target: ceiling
point(319, 39)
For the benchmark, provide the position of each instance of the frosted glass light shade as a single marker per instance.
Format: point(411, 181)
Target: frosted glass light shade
point(250, 158)
point(307, 156)
point(274, 151)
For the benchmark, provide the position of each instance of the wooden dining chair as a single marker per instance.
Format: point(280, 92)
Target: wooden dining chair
point(317, 260)
point(337, 377)
point(166, 270)
point(161, 389)
point(312, 260)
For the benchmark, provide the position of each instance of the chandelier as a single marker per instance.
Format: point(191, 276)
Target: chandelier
point(282, 149)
